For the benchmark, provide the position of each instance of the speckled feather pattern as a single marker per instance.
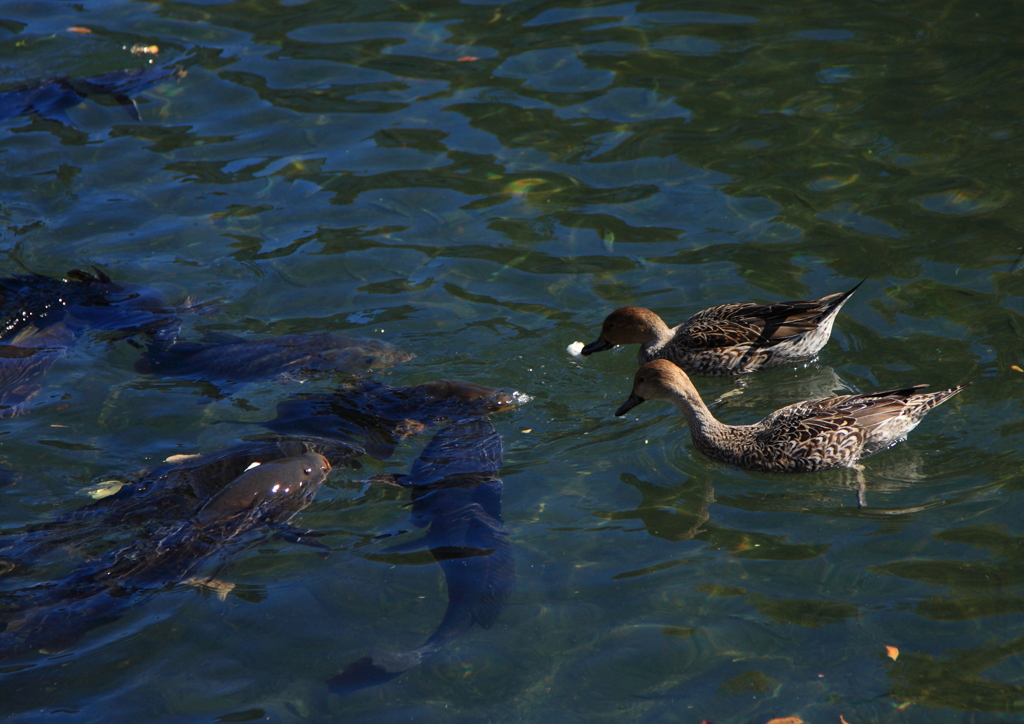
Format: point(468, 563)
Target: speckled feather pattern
point(827, 433)
point(809, 435)
point(729, 339)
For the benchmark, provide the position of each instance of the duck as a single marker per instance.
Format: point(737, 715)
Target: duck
point(802, 437)
point(729, 339)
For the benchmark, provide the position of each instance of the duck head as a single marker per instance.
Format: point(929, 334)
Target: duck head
point(657, 380)
point(626, 325)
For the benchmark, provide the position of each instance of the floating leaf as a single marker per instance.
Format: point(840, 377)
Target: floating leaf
point(524, 185)
point(467, 59)
point(103, 490)
point(787, 720)
point(1015, 368)
point(892, 652)
point(842, 720)
point(181, 458)
point(139, 49)
point(79, 29)
point(221, 589)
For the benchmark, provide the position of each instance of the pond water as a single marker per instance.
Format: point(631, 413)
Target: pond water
point(480, 183)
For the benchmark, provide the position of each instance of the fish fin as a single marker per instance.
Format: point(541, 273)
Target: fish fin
point(129, 105)
point(388, 480)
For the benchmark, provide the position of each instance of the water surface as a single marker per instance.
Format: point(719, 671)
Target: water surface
point(480, 183)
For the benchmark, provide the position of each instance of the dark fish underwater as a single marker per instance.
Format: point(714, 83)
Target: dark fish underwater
point(368, 418)
point(226, 360)
point(53, 97)
point(41, 318)
point(83, 300)
point(183, 515)
point(456, 496)
point(51, 617)
point(376, 417)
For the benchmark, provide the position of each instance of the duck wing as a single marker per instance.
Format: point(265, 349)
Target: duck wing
point(811, 435)
point(838, 430)
point(765, 325)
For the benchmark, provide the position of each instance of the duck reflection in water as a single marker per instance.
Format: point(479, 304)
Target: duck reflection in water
point(456, 496)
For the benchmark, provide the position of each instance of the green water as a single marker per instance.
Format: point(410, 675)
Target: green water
point(481, 183)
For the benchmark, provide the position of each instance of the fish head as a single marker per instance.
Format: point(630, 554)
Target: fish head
point(269, 491)
point(123, 306)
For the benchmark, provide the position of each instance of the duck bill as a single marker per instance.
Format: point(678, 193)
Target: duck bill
point(599, 346)
point(633, 401)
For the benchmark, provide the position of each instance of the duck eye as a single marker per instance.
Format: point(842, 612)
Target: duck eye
point(308, 471)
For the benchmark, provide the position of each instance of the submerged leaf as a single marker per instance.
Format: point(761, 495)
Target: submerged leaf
point(892, 652)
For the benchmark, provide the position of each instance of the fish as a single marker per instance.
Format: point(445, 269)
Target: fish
point(41, 319)
point(366, 418)
point(25, 360)
point(164, 524)
point(152, 499)
point(456, 496)
point(83, 300)
point(51, 98)
point(121, 308)
point(51, 617)
point(376, 417)
point(228, 360)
